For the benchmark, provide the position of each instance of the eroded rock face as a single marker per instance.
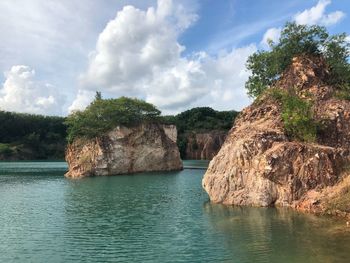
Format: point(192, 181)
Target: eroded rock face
point(259, 165)
point(204, 145)
point(147, 147)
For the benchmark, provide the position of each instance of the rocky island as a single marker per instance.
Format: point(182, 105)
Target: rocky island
point(120, 146)
point(124, 150)
point(291, 147)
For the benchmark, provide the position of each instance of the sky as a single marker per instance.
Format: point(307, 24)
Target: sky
point(176, 54)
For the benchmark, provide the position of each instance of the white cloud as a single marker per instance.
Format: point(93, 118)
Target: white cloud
point(22, 93)
point(133, 44)
point(272, 34)
point(54, 37)
point(317, 15)
point(204, 80)
point(84, 97)
point(138, 54)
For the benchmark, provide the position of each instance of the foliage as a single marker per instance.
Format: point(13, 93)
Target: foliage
point(339, 197)
point(343, 94)
point(5, 149)
point(267, 66)
point(296, 115)
point(36, 136)
point(341, 202)
point(182, 144)
point(203, 119)
point(103, 115)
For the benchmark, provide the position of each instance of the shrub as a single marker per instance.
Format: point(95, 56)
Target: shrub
point(296, 115)
point(5, 149)
point(343, 94)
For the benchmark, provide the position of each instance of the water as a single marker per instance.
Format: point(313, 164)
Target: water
point(154, 217)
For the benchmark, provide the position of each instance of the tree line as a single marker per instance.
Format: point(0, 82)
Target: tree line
point(29, 136)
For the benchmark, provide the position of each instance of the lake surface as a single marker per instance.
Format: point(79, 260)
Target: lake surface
point(153, 217)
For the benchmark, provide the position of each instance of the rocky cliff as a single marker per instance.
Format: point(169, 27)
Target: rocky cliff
point(204, 145)
point(260, 165)
point(147, 147)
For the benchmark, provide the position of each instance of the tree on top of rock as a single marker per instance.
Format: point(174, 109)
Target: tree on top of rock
point(297, 40)
point(102, 115)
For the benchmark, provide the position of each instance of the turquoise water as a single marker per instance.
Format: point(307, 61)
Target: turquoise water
point(154, 217)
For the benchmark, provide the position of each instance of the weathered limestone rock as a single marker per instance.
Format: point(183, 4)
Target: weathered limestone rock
point(204, 145)
point(259, 165)
point(147, 147)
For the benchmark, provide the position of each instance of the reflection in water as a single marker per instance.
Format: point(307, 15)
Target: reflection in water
point(279, 235)
point(153, 217)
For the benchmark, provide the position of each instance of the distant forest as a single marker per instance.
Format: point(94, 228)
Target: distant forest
point(37, 137)
point(27, 136)
point(202, 119)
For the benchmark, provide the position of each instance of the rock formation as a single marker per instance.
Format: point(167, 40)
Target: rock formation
point(260, 165)
point(144, 148)
point(204, 145)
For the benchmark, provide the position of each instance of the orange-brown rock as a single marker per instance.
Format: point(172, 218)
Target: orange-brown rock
point(124, 150)
point(204, 145)
point(260, 165)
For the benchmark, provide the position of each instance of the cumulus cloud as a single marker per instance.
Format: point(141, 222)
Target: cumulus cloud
point(138, 54)
point(54, 37)
point(135, 44)
point(272, 34)
point(84, 97)
point(21, 92)
point(317, 15)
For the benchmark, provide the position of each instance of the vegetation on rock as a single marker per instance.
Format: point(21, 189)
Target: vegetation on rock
point(267, 66)
point(103, 115)
point(297, 115)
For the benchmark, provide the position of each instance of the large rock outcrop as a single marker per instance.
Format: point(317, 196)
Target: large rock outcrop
point(204, 145)
point(259, 165)
point(144, 148)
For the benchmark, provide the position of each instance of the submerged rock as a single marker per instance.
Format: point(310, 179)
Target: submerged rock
point(260, 165)
point(124, 150)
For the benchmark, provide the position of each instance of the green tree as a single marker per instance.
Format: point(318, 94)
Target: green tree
point(267, 66)
point(32, 134)
point(98, 95)
point(103, 115)
point(203, 119)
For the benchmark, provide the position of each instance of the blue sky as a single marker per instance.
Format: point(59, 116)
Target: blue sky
point(219, 21)
point(176, 54)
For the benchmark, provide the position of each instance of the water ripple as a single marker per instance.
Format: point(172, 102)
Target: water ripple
point(151, 217)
